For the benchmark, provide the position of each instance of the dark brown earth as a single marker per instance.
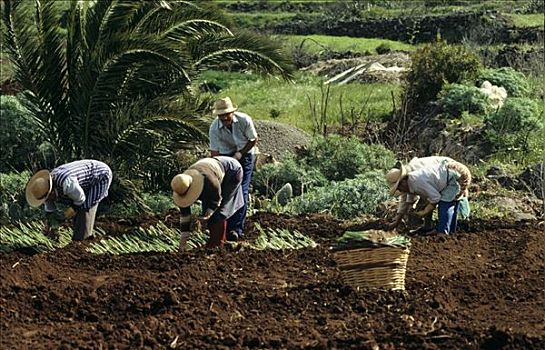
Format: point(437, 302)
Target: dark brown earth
point(483, 288)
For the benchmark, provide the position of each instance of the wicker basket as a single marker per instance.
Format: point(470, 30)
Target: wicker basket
point(374, 267)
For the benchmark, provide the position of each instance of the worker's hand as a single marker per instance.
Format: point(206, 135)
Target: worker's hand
point(237, 155)
point(69, 213)
point(54, 219)
point(51, 232)
point(206, 215)
point(184, 237)
point(461, 194)
point(428, 209)
point(396, 222)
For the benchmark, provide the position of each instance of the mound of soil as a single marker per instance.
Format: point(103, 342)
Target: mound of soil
point(280, 139)
point(331, 68)
point(478, 289)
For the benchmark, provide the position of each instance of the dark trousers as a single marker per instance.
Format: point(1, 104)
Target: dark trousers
point(448, 214)
point(84, 221)
point(236, 222)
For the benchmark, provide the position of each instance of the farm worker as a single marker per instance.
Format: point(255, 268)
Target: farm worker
point(216, 181)
point(445, 184)
point(233, 134)
point(408, 200)
point(81, 185)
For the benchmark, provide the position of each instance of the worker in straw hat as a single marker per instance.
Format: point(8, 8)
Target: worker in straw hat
point(444, 184)
point(216, 181)
point(232, 133)
point(408, 201)
point(80, 185)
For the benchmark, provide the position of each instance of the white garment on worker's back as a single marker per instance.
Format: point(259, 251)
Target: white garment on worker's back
point(406, 200)
point(429, 182)
point(226, 141)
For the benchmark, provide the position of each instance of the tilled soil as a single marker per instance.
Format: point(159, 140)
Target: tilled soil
point(483, 288)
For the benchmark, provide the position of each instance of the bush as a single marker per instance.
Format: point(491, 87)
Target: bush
point(19, 135)
point(339, 158)
point(13, 205)
point(512, 124)
point(514, 82)
point(271, 177)
point(157, 203)
point(346, 199)
point(383, 48)
point(456, 99)
point(435, 65)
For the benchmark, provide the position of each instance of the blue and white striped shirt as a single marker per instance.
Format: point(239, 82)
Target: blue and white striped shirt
point(83, 183)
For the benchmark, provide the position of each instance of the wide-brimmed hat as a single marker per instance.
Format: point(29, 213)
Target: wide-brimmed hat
point(224, 106)
point(395, 175)
point(187, 187)
point(38, 188)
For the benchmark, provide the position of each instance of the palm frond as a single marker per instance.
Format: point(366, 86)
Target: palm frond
point(241, 49)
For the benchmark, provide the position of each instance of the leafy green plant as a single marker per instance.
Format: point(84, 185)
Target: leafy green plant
point(19, 135)
point(279, 239)
point(117, 86)
point(339, 158)
point(271, 177)
point(155, 203)
point(457, 98)
point(514, 82)
point(13, 205)
point(158, 238)
point(30, 236)
point(511, 126)
point(345, 199)
point(435, 65)
point(383, 48)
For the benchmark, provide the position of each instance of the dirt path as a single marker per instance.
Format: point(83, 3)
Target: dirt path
point(475, 290)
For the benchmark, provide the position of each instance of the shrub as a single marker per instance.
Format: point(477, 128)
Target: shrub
point(383, 48)
point(535, 6)
point(19, 135)
point(271, 177)
point(156, 203)
point(345, 199)
point(13, 205)
point(511, 125)
point(457, 98)
point(435, 65)
point(340, 158)
point(514, 82)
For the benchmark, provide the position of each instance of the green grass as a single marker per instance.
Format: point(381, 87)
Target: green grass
point(527, 20)
point(318, 43)
point(262, 98)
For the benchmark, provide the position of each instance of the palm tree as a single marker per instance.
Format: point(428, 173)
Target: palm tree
point(117, 85)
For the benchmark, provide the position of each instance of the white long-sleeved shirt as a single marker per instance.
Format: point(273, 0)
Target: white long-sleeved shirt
point(407, 200)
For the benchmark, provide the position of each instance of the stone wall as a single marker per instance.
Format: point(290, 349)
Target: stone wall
point(452, 28)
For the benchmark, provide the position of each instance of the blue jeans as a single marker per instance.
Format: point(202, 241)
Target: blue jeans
point(448, 212)
point(236, 222)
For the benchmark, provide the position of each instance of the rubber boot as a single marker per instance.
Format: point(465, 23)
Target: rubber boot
point(217, 234)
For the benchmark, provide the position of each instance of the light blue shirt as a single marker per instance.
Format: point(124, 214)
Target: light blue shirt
point(226, 141)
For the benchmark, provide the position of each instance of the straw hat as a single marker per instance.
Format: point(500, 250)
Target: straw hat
point(395, 175)
point(187, 187)
point(224, 106)
point(38, 188)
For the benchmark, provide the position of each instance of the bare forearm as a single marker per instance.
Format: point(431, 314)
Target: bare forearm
point(249, 145)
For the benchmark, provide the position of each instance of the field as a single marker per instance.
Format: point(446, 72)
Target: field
point(339, 92)
point(482, 288)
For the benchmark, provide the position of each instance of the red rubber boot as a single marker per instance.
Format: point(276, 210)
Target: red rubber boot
point(217, 234)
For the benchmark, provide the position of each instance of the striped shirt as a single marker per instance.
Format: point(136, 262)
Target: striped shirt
point(226, 141)
point(82, 183)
